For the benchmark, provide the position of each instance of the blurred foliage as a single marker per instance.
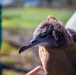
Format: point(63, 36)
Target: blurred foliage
point(10, 73)
point(8, 59)
point(32, 17)
point(7, 48)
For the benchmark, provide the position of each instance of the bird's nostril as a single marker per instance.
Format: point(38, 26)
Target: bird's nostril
point(34, 41)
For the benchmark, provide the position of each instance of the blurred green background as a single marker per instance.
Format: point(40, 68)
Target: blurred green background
point(19, 19)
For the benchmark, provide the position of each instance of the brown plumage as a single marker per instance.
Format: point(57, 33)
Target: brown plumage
point(57, 49)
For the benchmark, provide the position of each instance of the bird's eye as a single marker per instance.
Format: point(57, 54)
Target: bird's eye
point(44, 36)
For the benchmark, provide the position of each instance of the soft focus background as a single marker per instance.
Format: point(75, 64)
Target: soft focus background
point(19, 19)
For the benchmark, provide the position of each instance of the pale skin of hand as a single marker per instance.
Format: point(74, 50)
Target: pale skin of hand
point(35, 70)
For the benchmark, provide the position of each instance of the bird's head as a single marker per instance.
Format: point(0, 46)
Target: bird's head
point(49, 32)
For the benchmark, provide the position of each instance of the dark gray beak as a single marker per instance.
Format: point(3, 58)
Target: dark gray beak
point(31, 44)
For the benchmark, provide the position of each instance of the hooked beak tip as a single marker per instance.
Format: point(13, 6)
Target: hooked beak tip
point(21, 50)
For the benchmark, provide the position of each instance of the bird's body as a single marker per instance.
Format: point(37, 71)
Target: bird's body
point(55, 62)
point(57, 49)
point(71, 53)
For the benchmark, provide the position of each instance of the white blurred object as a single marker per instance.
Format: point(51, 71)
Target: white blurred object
point(72, 22)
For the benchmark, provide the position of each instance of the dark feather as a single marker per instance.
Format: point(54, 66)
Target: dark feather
point(72, 34)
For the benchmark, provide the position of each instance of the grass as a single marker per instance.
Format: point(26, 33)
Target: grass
point(32, 17)
point(7, 48)
point(7, 59)
point(9, 72)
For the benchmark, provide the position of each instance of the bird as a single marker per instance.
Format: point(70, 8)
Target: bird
point(57, 47)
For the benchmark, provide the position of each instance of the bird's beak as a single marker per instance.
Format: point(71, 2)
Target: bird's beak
point(31, 44)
